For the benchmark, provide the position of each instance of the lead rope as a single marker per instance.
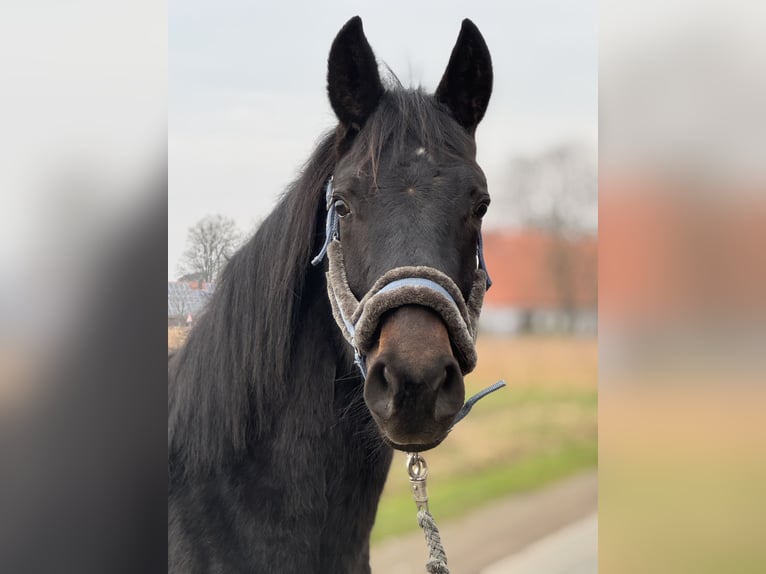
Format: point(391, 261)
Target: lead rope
point(417, 469)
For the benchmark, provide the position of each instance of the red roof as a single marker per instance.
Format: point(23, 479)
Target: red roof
point(533, 269)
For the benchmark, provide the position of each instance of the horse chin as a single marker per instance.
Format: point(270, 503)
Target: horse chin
point(409, 439)
point(413, 447)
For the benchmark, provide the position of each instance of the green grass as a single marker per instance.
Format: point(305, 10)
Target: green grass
point(531, 393)
point(453, 496)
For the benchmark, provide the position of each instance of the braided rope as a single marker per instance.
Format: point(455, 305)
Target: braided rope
point(437, 558)
point(417, 469)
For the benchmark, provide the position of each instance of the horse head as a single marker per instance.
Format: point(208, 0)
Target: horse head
point(407, 200)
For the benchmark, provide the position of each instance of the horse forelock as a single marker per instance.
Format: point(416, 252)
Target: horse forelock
point(407, 120)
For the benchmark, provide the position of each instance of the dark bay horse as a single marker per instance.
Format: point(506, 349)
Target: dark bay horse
point(278, 446)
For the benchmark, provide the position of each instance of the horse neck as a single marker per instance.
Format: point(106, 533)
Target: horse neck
point(265, 403)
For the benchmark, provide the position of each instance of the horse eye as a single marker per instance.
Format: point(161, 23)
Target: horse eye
point(481, 210)
point(341, 208)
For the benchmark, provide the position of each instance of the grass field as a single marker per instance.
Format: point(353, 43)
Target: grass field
point(541, 428)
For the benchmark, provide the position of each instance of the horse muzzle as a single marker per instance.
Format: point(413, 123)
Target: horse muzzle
point(414, 386)
point(413, 335)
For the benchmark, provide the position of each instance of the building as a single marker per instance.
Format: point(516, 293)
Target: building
point(186, 300)
point(542, 283)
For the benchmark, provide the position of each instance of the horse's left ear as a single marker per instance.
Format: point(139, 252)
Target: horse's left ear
point(353, 82)
point(467, 83)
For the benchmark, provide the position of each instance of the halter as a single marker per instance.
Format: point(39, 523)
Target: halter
point(421, 285)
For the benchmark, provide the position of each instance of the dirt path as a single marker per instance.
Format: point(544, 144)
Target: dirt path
point(494, 532)
point(571, 550)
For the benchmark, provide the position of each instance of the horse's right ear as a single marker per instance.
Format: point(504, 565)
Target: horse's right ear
point(353, 82)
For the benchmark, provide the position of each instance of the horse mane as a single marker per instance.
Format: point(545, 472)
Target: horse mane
point(226, 383)
point(237, 357)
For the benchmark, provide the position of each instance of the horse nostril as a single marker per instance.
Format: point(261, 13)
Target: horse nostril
point(450, 395)
point(412, 399)
point(448, 380)
point(385, 378)
point(377, 390)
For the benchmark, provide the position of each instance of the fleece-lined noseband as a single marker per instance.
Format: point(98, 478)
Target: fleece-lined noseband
point(413, 285)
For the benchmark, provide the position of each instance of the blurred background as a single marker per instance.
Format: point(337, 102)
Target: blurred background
point(682, 286)
point(83, 112)
point(680, 355)
point(248, 104)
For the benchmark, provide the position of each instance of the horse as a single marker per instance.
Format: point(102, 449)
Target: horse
point(278, 443)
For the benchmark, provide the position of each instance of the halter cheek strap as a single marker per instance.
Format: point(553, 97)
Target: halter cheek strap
point(331, 224)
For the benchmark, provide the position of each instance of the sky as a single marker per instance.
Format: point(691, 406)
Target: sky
point(247, 100)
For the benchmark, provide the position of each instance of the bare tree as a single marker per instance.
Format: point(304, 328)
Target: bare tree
point(557, 192)
point(209, 245)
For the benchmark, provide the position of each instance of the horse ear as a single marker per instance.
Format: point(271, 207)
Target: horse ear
point(467, 83)
point(353, 82)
